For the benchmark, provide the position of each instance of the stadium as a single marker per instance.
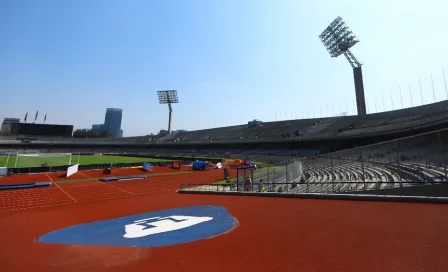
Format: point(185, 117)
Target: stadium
point(394, 156)
point(365, 192)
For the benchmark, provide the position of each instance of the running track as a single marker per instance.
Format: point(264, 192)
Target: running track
point(94, 190)
point(274, 234)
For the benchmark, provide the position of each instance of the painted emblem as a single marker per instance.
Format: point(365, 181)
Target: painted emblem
point(154, 225)
point(160, 228)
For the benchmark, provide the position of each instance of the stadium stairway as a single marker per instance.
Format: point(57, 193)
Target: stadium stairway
point(374, 173)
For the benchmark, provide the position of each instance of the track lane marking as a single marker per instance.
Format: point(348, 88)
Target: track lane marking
point(111, 186)
point(162, 181)
point(61, 188)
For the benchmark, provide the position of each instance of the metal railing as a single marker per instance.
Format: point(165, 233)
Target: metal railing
point(422, 157)
point(414, 165)
point(407, 188)
point(286, 171)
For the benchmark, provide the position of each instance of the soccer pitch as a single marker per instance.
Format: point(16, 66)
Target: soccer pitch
point(37, 161)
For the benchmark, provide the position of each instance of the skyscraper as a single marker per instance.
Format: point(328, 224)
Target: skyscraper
point(112, 122)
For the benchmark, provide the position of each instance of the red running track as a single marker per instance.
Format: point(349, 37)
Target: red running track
point(60, 176)
point(13, 200)
point(24, 178)
point(274, 234)
point(76, 192)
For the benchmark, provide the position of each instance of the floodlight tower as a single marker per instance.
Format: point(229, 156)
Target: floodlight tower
point(168, 97)
point(338, 39)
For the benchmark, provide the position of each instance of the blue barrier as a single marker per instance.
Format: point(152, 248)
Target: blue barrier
point(121, 178)
point(198, 165)
point(42, 184)
point(24, 185)
point(147, 166)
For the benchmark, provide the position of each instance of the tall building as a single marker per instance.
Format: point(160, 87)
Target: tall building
point(6, 125)
point(112, 122)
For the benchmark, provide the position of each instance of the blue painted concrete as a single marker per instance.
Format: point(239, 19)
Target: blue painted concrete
point(121, 231)
point(121, 178)
point(18, 186)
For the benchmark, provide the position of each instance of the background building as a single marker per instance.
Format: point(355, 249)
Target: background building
point(112, 123)
point(98, 128)
point(6, 125)
point(31, 129)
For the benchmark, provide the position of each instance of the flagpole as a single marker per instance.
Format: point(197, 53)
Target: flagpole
point(35, 117)
point(433, 89)
point(401, 97)
point(421, 90)
point(444, 80)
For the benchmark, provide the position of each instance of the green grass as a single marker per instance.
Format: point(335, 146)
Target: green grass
point(148, 175)
point(224, 182)
point(64, 160)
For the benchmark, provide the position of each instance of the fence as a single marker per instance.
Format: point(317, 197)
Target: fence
point(62, 168)
point(417, 158)
point(278, 174)
point(275, 174)
point(36, 162)
point(405, 189)
point(389, 167)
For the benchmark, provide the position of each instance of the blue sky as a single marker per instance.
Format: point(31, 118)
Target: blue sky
point(231, 61)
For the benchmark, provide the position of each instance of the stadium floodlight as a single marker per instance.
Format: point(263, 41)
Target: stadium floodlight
point(168, 97)
point(338, 39)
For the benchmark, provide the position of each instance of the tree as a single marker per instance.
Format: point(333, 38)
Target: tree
point(80, 133)
point(88, 133)
point(104, 134)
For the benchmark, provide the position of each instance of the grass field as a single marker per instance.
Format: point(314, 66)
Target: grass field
point(64, 160)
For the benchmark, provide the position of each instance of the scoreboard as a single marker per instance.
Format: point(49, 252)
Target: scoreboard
point(28, 129)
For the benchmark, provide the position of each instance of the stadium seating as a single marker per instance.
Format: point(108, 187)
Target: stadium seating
point(404, 162)
point(322, 128)
point(371, 124)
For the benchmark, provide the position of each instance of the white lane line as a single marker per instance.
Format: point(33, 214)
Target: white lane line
point(60, 188)
point(124, 191)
